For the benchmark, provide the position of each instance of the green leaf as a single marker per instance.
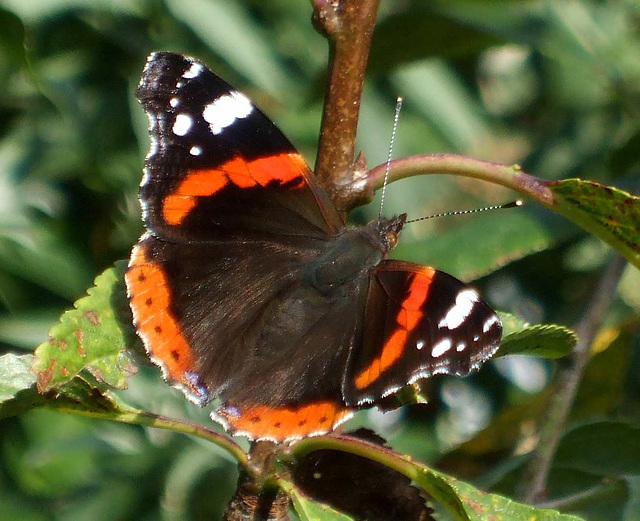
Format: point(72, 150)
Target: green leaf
point(461, 500)
point(480, 506)
point(511, 323)
point(609, 213)
point(81, 397)
point(39, 10)
point(15, 375)
point(605, 448)
point(18, 393)
point(601, 389)
point(230, 30)
point(419, 34)
point(448, 104)
point(12, 37)
point(93, 336)
point(468, 251)
point(543, 340)
point(309, 510)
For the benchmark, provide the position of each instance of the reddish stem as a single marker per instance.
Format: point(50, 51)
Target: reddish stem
point(510, 176)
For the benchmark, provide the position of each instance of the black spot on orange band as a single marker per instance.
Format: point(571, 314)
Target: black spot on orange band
point(158, 328)
point(284, 423)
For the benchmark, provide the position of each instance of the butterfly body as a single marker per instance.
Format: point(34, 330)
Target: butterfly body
point(248, 288)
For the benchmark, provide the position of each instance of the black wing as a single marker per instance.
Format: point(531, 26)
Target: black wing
point(418, 322)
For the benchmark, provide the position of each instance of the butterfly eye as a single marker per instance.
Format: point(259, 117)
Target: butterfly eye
point(392, 239)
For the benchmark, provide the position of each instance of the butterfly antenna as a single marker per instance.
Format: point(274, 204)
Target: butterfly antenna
point(388, 166)
point(512, 204)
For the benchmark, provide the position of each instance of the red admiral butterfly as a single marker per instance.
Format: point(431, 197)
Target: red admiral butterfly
point(248, 287)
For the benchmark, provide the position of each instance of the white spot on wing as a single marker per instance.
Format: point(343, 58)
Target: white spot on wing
point(441, 347)
point(225, 110)
point(419, 344)
point(461, 347)
point(174, 102)
point(193, 71)
point(182, 124)
point(465, 300)
point(195, 151)
point(488, 324)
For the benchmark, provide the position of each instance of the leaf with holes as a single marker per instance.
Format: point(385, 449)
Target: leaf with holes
point(93, 336)
point(609, 213)
point(480, 506)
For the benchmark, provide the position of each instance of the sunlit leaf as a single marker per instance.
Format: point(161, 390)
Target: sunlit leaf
point(543, 340)
point(15, 375)
point(94, 336)
point(610, 213)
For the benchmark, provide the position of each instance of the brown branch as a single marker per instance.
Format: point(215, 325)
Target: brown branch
point(535, 476)
point(348, 25)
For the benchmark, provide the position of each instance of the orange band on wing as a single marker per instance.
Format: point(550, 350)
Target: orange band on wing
point(282, 168)
point(284, 423)
point(408, 318)
point(150, 300)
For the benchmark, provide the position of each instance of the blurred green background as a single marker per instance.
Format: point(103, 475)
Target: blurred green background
point(553, 86)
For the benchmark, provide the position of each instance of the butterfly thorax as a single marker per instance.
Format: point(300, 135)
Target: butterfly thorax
point(354, 253)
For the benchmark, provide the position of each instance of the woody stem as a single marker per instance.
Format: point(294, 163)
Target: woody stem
point(348, 26)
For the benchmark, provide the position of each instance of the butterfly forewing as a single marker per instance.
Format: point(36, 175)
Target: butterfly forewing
point(217, 166)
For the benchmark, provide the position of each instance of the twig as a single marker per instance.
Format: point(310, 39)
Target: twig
point(348, 25)
point(158, 421)
point(510, 176)
point(535, 476)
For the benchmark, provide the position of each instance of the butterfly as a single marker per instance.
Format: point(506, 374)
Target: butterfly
point(247, 287)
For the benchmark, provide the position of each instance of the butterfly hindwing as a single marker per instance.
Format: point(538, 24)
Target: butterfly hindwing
point(245, 328)
point(418, 322)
